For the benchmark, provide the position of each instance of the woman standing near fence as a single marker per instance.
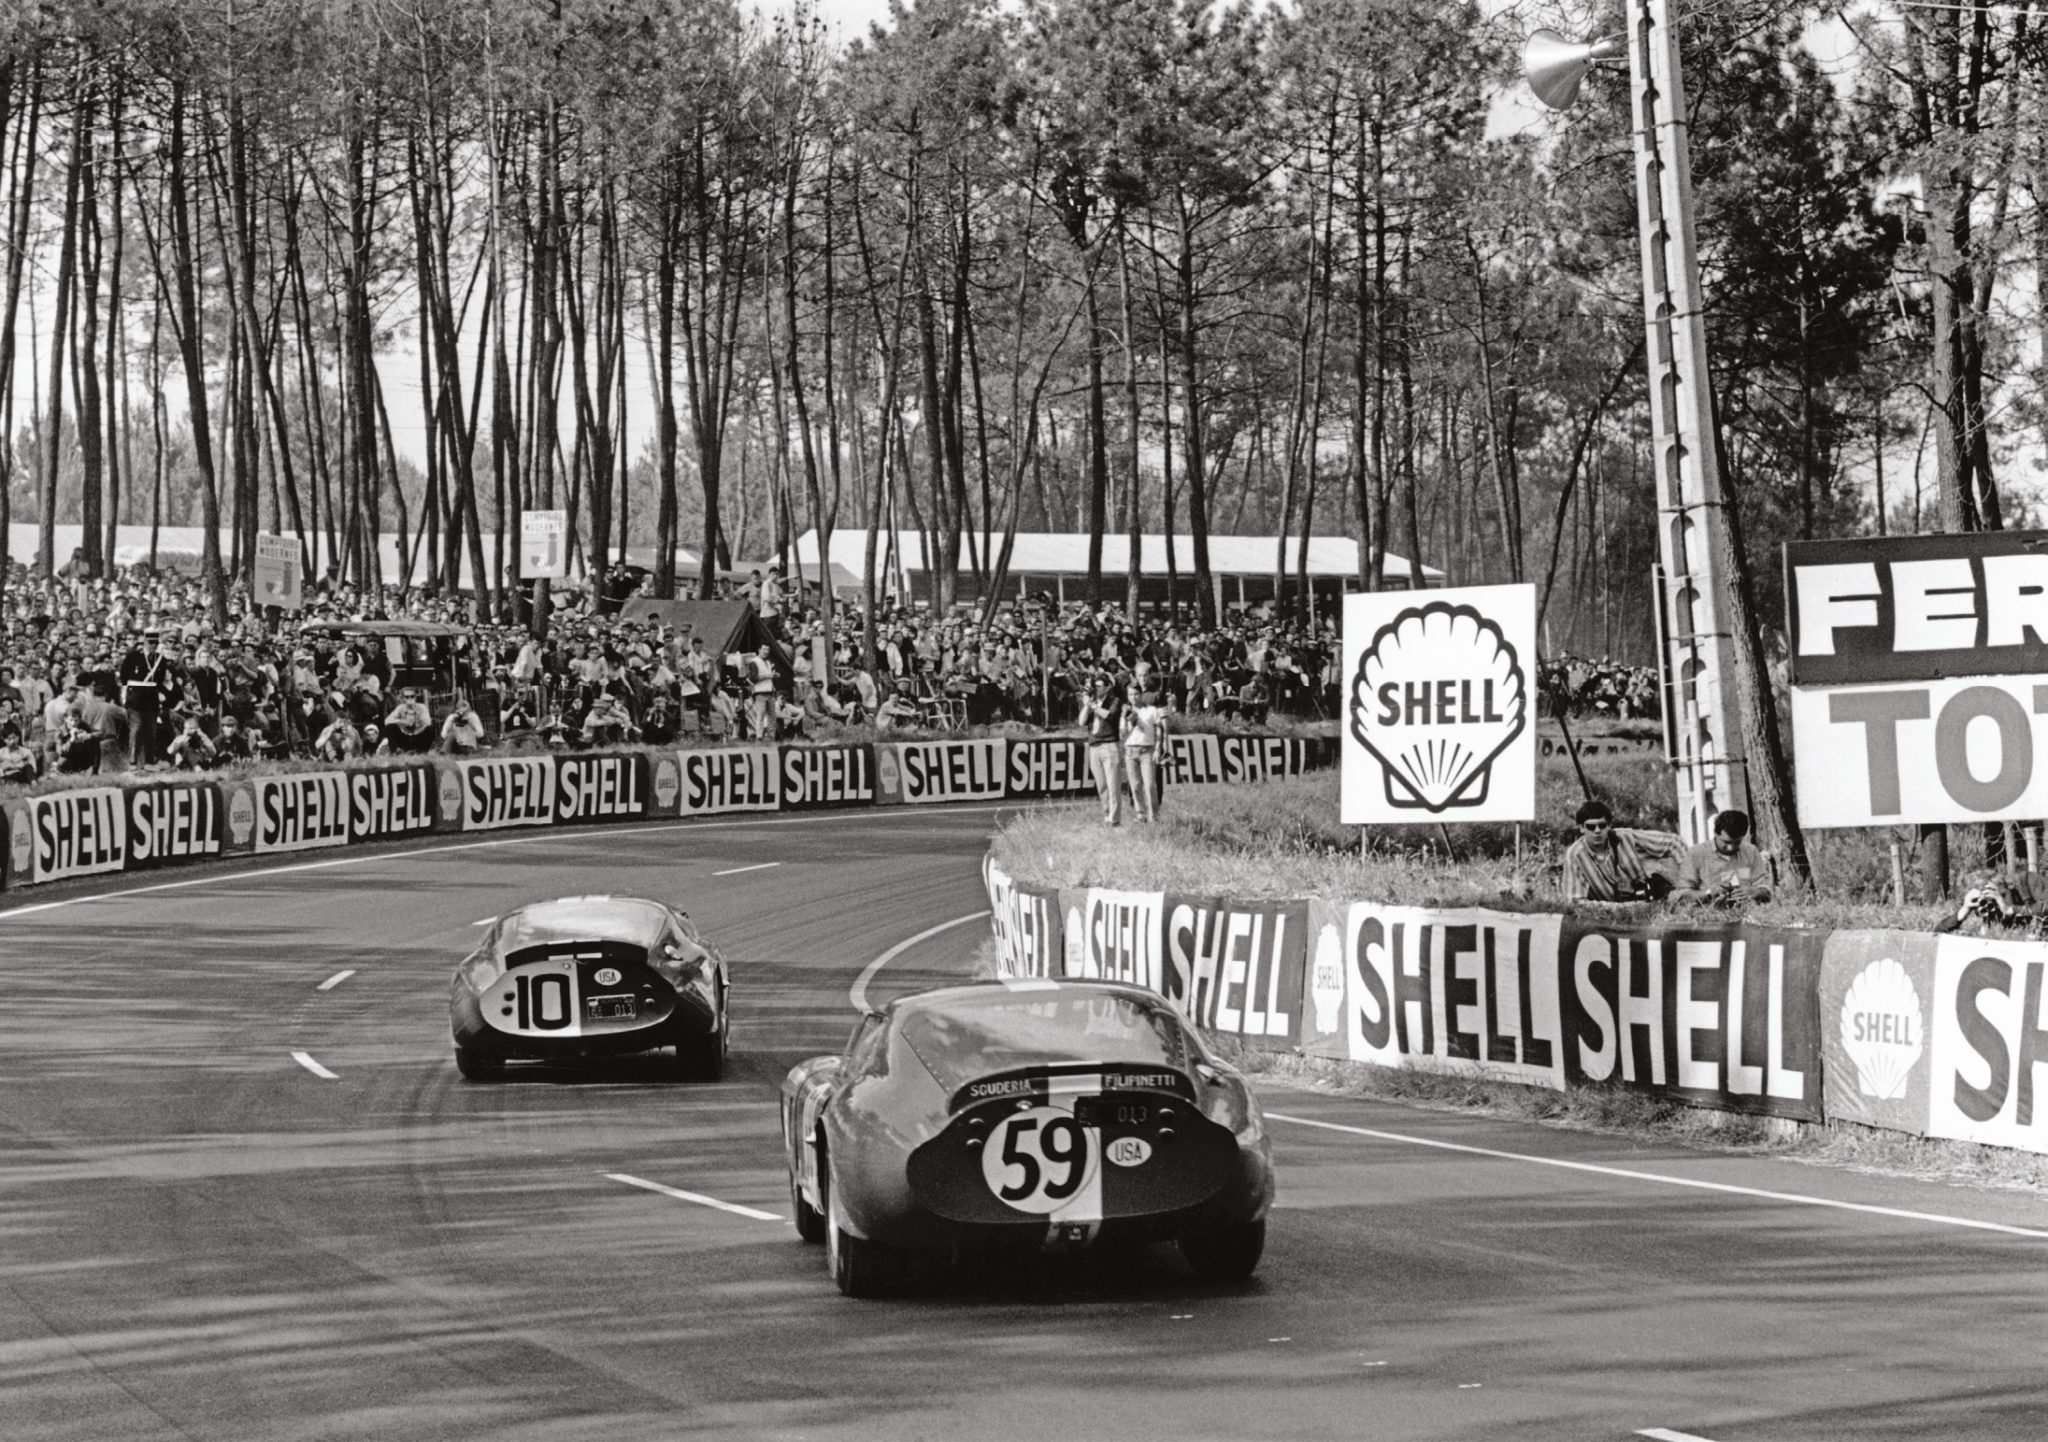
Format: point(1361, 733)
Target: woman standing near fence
point(1144, 727)
point(1102, 712)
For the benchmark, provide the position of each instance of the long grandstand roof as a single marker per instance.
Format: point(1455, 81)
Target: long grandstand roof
point(1057, 553)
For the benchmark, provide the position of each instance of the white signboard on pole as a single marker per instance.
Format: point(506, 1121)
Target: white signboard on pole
point(280, 569)
point(1440, 706)
point(543, 545)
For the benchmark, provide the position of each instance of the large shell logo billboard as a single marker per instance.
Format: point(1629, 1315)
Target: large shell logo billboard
point(1437, 715)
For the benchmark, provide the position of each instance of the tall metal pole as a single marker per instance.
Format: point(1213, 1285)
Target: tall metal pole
point(1708, 762)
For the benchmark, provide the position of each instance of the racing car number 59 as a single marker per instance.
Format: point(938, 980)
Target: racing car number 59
point(1040, 1160)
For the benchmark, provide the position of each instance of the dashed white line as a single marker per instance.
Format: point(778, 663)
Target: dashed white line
point(335, 980)
point(701, 1200)
point(858, 993)
point(1665, 1434)
point(763, 866)
point(314, 1067)
point(1669, 1181)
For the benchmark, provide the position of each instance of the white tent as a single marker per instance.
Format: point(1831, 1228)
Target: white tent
point(1054, 560)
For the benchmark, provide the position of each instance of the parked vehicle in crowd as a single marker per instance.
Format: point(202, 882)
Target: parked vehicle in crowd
point(1031, 1115)
point(591, 976)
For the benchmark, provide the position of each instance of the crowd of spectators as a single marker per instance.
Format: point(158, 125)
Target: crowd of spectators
point(1573, 686)
point(129, 672)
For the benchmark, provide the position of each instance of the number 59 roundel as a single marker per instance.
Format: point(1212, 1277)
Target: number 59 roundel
point(1042, 1161)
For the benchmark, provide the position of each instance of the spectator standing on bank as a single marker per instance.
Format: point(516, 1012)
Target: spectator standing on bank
point(772, 599)
point(1102, 713)
point(1144, 732)
point(142, 674)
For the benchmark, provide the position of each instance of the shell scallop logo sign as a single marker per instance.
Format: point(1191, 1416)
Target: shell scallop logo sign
point(241, 816)
point(1883, 1028)
point(20, 842)
point(1437, 715)
point(1326, 980)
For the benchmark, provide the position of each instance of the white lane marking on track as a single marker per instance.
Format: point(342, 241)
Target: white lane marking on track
point(858, 992)
point(701, 1200)
point(923, 814)
point(314, 1067)
point(1665, 1434)
point(762, 866)
point(333, 981)
point(485, 922)
point(1669, 1181)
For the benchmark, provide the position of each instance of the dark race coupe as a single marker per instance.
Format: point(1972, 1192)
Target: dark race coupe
point(1028, 1115)
point(590, 976)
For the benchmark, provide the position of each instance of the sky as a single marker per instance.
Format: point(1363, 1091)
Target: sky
point(850, 18)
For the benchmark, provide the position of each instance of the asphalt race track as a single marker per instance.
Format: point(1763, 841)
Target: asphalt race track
point(244, 1195)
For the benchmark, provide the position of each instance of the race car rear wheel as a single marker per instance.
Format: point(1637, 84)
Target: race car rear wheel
point(1228, 1255)
point(702, 1058)
point(477, 1067)
point(810, 1222)
point(859, 1268)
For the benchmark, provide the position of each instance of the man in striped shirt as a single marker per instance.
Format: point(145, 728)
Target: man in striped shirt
point(1611, 863)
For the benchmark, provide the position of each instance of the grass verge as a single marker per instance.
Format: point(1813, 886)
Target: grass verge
point(1283, 838)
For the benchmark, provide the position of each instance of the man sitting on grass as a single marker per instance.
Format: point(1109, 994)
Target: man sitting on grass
point(1610, 863)
point(1726, 871)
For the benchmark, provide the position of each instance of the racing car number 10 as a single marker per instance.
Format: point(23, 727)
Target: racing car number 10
point(538, 999)
point(1041, 1160)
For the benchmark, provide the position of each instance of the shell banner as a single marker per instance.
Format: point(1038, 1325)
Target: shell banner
point(1876, 988)
point(1235, 967)
point(1026, 922)
point(1987, 1049)
point(1722, 1016)
point(1440, 706)
point(1464, 992)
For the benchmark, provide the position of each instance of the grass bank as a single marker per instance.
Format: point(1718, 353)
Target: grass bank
point(1283, 838)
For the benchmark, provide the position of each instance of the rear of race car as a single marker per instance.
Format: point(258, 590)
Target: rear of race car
point(582, 999)
point(1025, 1117)
point(1073, 1155)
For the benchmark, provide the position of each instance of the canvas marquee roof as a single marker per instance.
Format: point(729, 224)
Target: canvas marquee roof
point(1066, 553)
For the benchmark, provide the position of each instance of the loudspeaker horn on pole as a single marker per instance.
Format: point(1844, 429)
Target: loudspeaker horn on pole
point(1555, 66)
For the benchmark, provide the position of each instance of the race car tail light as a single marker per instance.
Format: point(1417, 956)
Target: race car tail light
point(1229, 1105)
point(481, 970)
point(680, 967)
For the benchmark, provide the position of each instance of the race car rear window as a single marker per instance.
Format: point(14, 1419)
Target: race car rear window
point(971, 1036)
point(584, 919)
